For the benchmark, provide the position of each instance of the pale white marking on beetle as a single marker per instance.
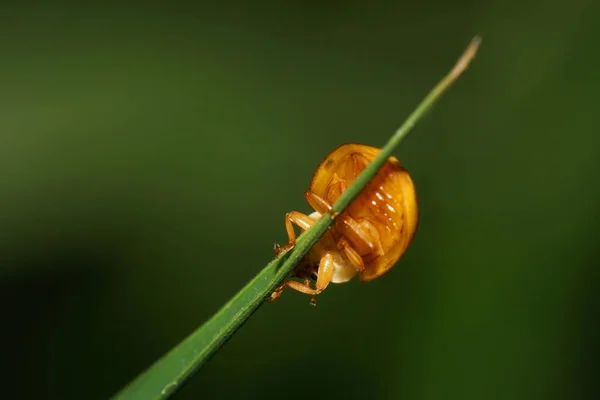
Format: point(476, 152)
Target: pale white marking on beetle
point(315, 216)
point(343, 270)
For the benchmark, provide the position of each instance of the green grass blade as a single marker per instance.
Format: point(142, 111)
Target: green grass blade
point(169, 373)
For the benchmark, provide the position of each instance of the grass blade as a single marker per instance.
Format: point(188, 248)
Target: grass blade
point(169, 373)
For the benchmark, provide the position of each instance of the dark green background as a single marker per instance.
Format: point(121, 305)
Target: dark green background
point(148, 155)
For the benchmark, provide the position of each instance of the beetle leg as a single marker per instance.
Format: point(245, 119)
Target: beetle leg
point(277, 292)
point(352, 255)
point(325, 273)
point(324, 276)
point(362, 240)
point(293, 217)
point(317, 202)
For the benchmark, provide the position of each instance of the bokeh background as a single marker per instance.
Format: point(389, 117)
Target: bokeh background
point(148, 155)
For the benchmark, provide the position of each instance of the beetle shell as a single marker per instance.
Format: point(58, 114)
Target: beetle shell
point(387, 208)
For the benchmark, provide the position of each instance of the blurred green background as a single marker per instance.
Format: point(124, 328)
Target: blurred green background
point(149, 153)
